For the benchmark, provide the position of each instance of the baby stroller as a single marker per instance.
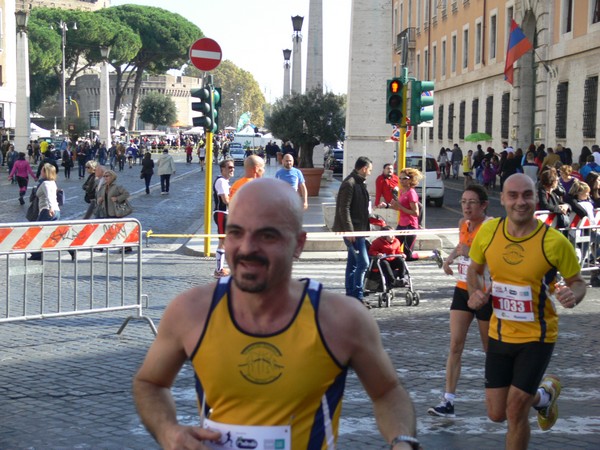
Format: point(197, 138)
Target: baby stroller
point(376, 281)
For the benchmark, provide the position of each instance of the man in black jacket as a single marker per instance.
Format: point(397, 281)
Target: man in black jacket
point(352, 214)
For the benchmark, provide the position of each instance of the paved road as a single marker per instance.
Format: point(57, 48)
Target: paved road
point(66, 382)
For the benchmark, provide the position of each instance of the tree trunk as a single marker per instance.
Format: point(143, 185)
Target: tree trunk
point(306, 155)
point(139, 76)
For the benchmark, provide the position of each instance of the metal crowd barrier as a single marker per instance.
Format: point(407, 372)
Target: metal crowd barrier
point(583, 234)
point(98, 280)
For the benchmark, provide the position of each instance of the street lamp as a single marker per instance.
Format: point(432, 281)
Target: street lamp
point(22, 119)
point(104, 128)
point(297, 54)
point(286, 72)
point(64, 28)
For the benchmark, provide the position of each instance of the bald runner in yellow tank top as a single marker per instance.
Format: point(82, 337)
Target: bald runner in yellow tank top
point(269, 380)
point(523, 284)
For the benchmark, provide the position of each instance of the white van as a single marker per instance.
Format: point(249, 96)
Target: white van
point(433, 177)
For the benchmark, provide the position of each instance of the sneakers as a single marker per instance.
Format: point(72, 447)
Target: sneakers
point(548, 414)
point(444, 409)
point(221, 273)
point(437, 257)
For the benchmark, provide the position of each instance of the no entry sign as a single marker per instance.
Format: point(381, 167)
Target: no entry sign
point(205, 54)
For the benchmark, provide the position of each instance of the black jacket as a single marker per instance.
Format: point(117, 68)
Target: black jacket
point(352, 205)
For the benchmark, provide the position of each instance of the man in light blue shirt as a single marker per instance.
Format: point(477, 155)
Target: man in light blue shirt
point(293, 176)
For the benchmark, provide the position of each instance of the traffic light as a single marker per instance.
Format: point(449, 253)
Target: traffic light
point(394, 105)
point(204, 106)
point(216, 104)
point(421, 96)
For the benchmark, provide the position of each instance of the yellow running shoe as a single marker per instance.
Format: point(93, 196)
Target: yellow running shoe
point(548, 415)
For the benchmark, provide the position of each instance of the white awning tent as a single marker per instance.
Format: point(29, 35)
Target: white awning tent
point(195, 130)
point(248, 130)
point(38, 132)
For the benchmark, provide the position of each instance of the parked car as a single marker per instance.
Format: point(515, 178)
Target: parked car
point(237, 153)
point(433, 177)
point(335, 161)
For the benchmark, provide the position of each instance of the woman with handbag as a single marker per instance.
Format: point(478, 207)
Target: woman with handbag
point(47, 200)
point(67, 161)
point(112, 200)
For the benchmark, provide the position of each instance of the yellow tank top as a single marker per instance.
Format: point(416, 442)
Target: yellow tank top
point(286, 378)
point(523, 272)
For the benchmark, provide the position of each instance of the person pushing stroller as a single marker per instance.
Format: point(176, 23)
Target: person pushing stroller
point(392, 267)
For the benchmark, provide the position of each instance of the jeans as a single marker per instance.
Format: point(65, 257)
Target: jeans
point(165, 181)
point(147, 178)
point(44, 216)
point(356, 267)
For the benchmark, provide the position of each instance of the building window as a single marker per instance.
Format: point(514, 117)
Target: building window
point(590, 105)
point(596, 11)
point(489, 114)
point(434, 62)
point(562, 100)
point(409, 15)
point(505, 115)
point(451, 121)
point(474, 115)
point(465, 52)
point(493, 35)
point(478, 43)
point(443, 67)
point(567, 16)
point(461, 120)
point(426, 64)
point(431, 133)
point(418, 68)
point(453, 56)
point(419, 17)
point(440, 122)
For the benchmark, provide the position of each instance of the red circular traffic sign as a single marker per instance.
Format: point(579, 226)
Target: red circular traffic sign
point(205, 54)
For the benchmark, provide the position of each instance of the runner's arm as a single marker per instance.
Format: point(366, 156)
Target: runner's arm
point(152, 384)
point(394, 410)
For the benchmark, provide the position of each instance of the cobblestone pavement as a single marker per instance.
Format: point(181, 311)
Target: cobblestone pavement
point(66, 382)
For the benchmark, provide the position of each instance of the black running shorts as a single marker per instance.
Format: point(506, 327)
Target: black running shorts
point(519, 365)
point(459, 302)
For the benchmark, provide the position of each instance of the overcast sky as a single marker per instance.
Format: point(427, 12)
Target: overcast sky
point(253, 34)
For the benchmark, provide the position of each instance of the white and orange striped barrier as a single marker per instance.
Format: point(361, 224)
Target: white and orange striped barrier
point(45, 287)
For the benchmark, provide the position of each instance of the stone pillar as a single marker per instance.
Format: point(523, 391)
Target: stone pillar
point(314, 51)
point(22, 119)
point(369, 68)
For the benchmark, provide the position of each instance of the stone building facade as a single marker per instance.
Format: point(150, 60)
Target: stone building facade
point(87, 91)
point(462, 44)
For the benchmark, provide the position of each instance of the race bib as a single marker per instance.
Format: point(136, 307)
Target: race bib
point(250, 437)
point(462, 266)
point(512, 302)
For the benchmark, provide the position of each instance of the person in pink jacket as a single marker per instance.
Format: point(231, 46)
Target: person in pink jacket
point(21, 170)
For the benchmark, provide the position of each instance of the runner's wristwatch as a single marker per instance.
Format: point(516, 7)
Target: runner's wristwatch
point(414, 442)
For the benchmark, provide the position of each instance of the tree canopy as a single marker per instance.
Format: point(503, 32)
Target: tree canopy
point(166, 38)
point(158, 109)
point(308, 120)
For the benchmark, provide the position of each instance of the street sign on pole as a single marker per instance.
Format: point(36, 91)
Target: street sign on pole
point(205, 54)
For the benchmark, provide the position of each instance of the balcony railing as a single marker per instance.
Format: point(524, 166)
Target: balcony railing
point(411, 37)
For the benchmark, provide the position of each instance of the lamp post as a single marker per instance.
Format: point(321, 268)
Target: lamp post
point(64, 28)
point(297, 55)
point(104, 127)
point(286, 72)
point(22, 119)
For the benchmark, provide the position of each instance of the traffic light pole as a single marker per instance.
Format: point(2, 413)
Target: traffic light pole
point(208, 142)
point(401, 150)
point(208, 191)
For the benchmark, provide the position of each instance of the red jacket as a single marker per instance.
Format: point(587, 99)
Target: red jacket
point(384, 186)
point(383, 246)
